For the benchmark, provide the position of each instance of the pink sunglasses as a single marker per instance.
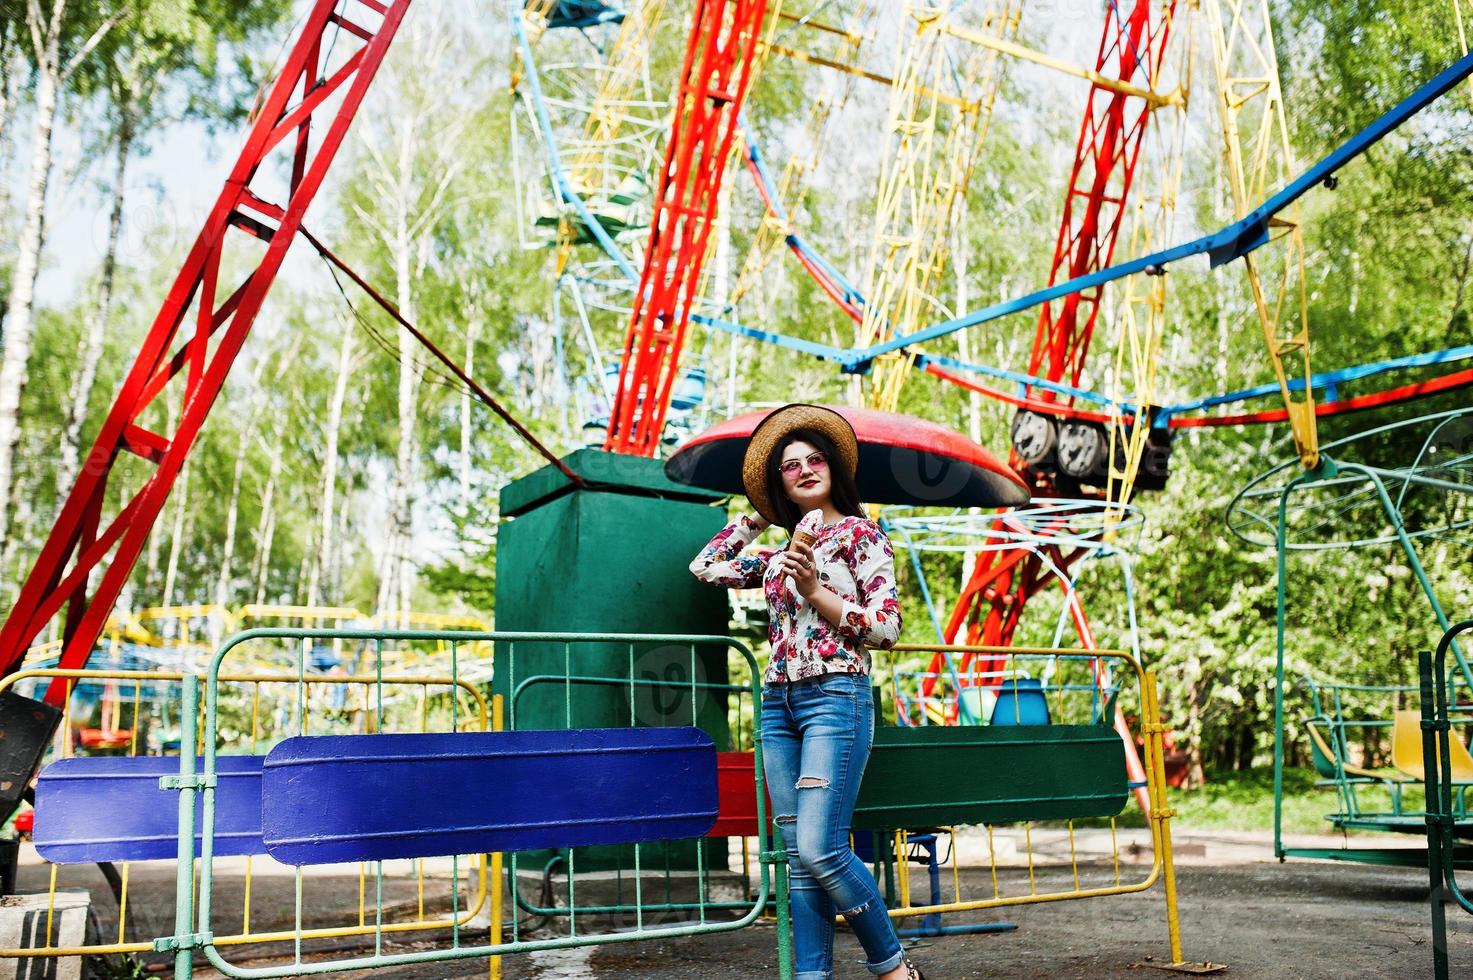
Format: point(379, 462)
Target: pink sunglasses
point(793, 467)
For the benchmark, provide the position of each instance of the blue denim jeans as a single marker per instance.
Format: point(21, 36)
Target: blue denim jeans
point(816, 737)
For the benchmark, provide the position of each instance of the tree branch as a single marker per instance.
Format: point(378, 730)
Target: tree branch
point(92, 42)
point(33, 21)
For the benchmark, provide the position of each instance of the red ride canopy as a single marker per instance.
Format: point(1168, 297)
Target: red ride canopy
point(902, 460)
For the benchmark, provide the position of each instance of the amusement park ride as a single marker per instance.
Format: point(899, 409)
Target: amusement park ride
point(1138, 88)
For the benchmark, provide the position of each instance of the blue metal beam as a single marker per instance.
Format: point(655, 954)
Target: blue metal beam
point(1231, 242)
point(560, 183)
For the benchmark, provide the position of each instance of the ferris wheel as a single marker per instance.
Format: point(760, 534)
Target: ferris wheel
point(921, 83)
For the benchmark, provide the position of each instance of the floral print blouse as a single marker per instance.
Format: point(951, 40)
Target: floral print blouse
point(853, 559)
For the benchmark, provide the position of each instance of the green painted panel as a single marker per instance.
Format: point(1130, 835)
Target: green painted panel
point(943, 776)
point(608, 562)
point(612, 559)
point(615, 471)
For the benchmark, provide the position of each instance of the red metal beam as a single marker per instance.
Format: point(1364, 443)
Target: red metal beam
point(1131, 48)
point(360, 32)
point(719, 61)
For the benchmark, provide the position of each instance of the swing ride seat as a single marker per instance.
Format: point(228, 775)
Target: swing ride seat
point(102, 738)
point(612, 218)
point(1406, 751)
point(1020, 701)
point(329, 798)
point(106, 808)
point(1406, 757)
point(993, 774)
point(1326, 759)
point(578, 14)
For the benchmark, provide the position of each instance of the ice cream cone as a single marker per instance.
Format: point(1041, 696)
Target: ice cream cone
point(806, 533)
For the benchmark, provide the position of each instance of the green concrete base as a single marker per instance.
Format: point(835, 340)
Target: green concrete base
point(611, 557)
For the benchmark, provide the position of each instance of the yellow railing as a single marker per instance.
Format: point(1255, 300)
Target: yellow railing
point(1080, 678)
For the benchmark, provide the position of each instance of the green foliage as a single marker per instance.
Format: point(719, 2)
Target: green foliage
point(1244, 801)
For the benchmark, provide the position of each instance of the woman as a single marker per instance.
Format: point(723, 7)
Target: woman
point(827, 604)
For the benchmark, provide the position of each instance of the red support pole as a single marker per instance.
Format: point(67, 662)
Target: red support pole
point(719, 61)
point(360, 32)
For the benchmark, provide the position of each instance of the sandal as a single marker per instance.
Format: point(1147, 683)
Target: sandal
point(912, 972)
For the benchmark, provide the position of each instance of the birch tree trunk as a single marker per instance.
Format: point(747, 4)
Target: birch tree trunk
point(176, 544)
point(19, 321)
point(340, 541)
point(473, 331)
point(395, 584)
point(232, 518)
point(302, 566)
point(151, 561)
point(268, 536)
point(20, 531)
point(10, 67)
point(320, 554)
point(405, 468)
point(51, 74)
point(266, 527)
point(12, 71)
point(413, 168)
point(91, 354)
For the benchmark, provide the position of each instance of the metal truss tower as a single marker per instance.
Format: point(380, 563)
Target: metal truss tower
point(206, 317)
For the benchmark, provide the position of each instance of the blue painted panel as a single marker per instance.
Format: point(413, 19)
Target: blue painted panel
point(111, 809)
point(334, 798)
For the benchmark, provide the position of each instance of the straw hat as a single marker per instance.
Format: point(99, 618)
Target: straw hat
point(770, 431)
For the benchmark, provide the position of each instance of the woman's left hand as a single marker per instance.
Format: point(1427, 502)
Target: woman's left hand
point(800, 564)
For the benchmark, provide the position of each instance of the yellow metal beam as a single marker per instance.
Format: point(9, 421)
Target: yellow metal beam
point(1259, 160)
point(1462, 36)
point(805, 20)
point(792, 185)
point(1140, 320)
point(931, 149)
point(873, 76)
point(1016, 50)
point(1002, 46)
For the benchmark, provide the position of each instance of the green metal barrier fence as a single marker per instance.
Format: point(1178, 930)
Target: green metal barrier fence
point(140, 712)
point(650, 890)
point(743, 716)
point(196, 920)
point(1447, 821)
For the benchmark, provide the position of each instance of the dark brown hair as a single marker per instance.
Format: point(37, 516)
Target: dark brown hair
point(843, 494)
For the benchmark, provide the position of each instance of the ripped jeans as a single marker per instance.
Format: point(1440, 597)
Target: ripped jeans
point(816, 737)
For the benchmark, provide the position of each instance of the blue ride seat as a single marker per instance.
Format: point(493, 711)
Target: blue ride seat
point(108, 808)
point(337, 798)
point(1020, 701)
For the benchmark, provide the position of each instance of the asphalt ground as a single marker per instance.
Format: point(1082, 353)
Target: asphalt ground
point(1266, 921)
